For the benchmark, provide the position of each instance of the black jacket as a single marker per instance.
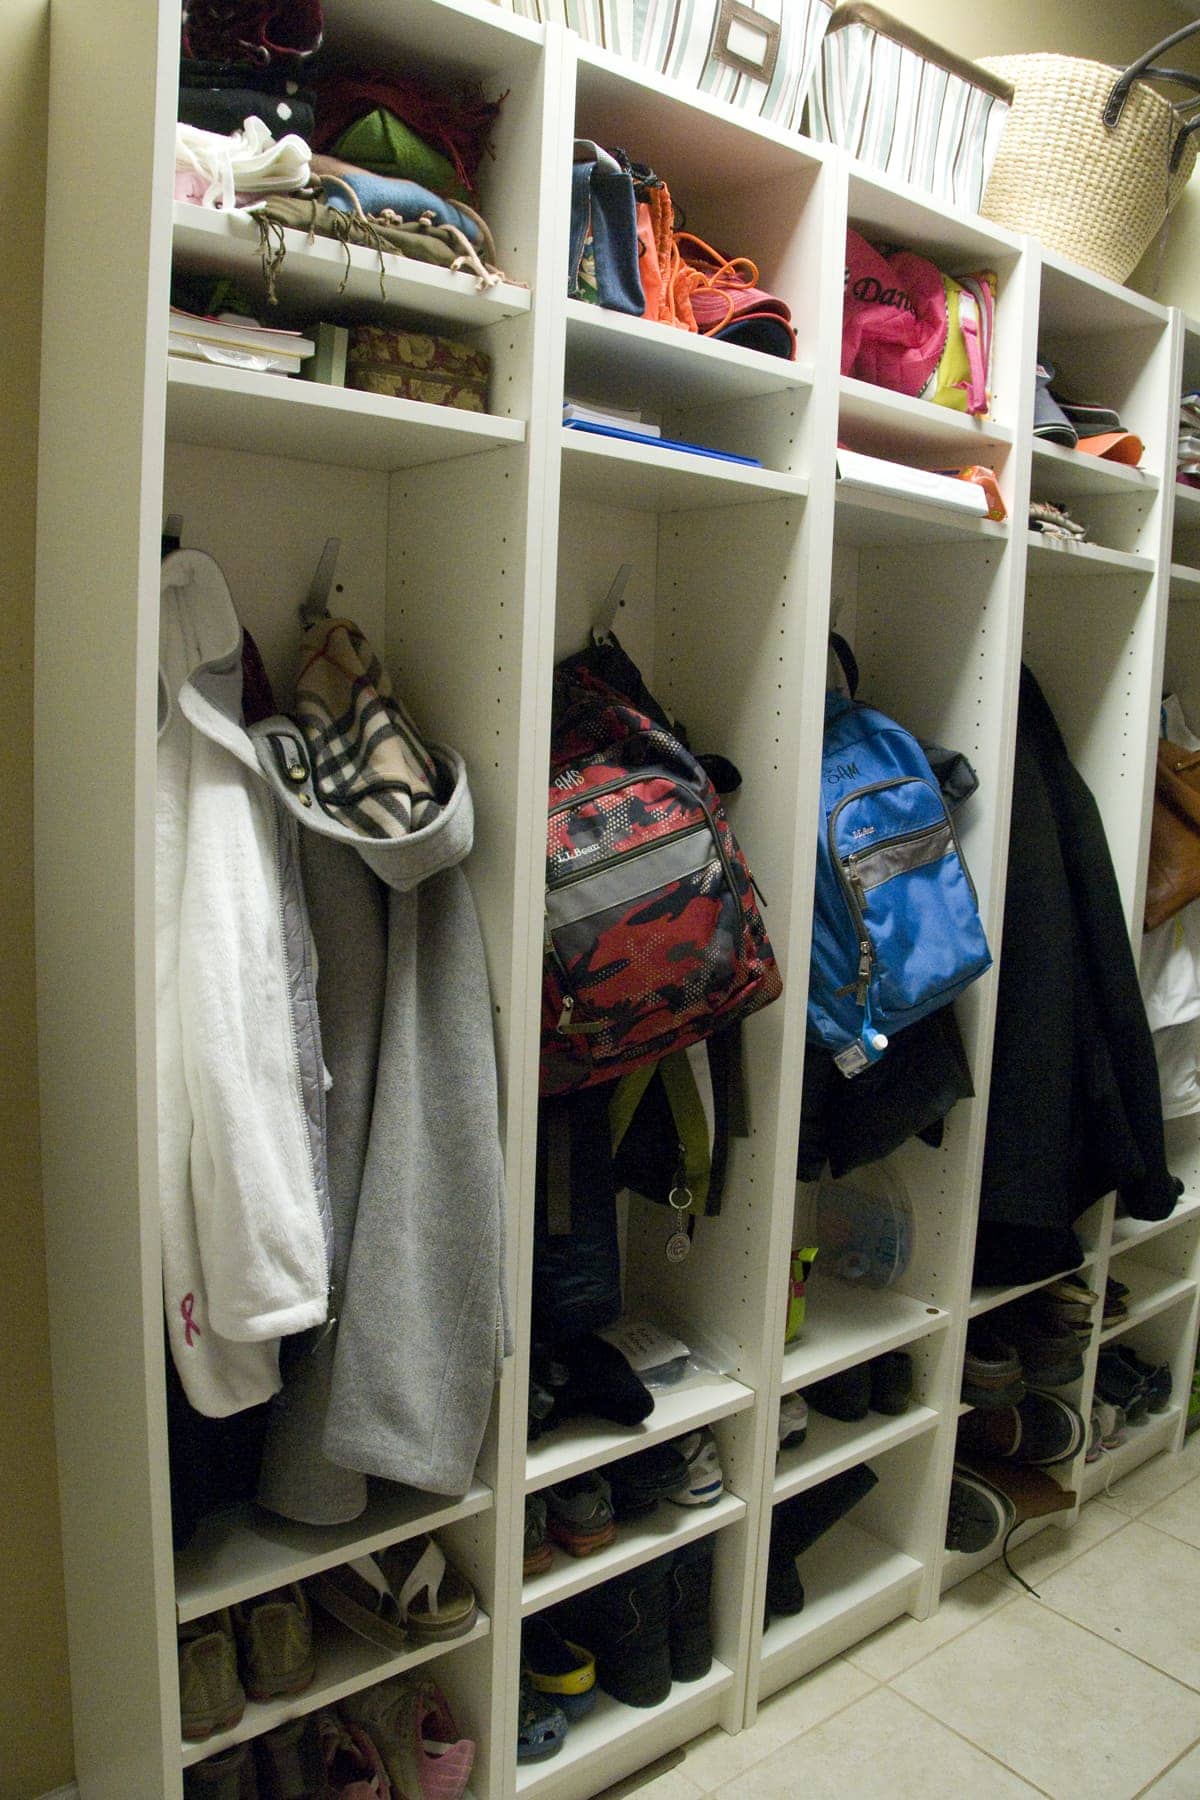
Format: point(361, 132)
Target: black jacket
point(1075, 1108)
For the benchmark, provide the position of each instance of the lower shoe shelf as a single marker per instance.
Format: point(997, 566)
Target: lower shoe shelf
point(614, 1739)
point(836, 1444)
point(663, 1530)
point(853, 1584)
point(1155, 1433)
point(346, 1663)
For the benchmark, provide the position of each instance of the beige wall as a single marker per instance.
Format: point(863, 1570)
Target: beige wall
point(35, 1730)
point(35, 1753)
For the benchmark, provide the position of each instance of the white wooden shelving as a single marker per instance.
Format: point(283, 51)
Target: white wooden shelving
point(477, 549)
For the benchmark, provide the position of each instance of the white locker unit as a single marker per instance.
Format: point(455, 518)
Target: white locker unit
point(476, 550)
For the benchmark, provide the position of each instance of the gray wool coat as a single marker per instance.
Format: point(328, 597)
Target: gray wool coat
point(399, 1384)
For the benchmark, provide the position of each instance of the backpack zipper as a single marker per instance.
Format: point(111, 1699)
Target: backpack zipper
point(853, 890)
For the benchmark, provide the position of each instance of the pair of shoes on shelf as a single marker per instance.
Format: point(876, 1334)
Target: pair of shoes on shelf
point(883, 1385)
point(581, 1513)
point(1038, 1340)
point(405, 1595)
point(1124, 1379)
point(1039, 1431)
point(796, 1524)
point(262, 1648)
point(647, 1627)
point(793, 1421)
point(686, 1471)
point(394, 1741)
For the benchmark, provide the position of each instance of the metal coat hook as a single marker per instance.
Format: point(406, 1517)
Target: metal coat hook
point(606, 618)
point(316, 602)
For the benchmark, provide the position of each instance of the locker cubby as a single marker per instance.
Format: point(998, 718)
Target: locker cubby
point(477, 549)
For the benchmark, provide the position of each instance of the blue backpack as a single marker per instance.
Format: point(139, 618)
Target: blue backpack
point(896, 926)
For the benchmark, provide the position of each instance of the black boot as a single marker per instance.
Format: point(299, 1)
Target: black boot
point(689, 1627)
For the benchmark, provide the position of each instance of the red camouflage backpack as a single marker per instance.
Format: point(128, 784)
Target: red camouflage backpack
point(653, 937)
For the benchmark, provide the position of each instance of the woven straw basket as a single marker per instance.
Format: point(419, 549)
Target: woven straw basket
point(1095, 195)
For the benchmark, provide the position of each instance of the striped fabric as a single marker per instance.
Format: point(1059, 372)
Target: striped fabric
point(896, 110)
point(370, 766)
point(675, 37)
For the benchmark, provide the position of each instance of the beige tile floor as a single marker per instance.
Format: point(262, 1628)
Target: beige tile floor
point(1090, 1692)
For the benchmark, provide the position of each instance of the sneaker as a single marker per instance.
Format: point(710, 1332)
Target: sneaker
point(1121, 1386)
point(275, 1643)
point(541, 1723)
point(891, 1382)
point(793, 1421)
point(640, 1481)
point(211, 1698)
point(290, 1765)
point(689, 1630)
point(625, 1622)
point(1042, 1431)
point(845, 1396)
point(979, 1516)
point(1157, 1377)
point(1051, 1354)
point(991, 1369)
point(565, 1673)
point(705, 1481)
point(353, 1766)
point(580, 1514)
point(1094, 1445)
point(1111, 1423)
point(538, 1554)
point(227, 1776)
point(410, 1724)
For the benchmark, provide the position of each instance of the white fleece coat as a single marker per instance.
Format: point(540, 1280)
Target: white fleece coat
point(245, 1258)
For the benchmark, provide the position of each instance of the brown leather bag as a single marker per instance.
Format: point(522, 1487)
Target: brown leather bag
point(1173, 879)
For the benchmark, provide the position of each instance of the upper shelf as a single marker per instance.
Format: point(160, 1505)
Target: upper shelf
point(652, 366)
point(1081, 303)
point(1063, 472)
point(865, 519)
point(888, 424)
point(1091, 559)
point(278, 415)
point(311, 275)
point(657, 480)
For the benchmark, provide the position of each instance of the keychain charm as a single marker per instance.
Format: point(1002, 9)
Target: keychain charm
point(679, 1244)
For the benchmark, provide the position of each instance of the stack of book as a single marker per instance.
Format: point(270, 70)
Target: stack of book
point(237, 343)
point(613, 421)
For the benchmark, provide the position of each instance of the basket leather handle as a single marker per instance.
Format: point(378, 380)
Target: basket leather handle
point(1115, 104)
point(1181, 138)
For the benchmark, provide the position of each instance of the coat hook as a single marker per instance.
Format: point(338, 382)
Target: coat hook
point(316, 603)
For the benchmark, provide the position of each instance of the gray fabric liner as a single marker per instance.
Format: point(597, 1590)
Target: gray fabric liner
point(640, 875)
point(877, 866)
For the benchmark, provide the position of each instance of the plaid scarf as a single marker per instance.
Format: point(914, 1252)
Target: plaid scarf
point(371, 768)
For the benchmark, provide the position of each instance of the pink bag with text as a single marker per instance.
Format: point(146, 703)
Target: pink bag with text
point(908, 327)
